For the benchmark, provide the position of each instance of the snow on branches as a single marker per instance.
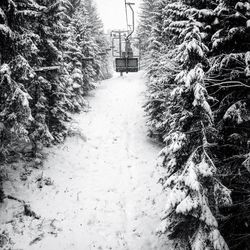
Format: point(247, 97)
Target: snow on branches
point(44, 44)
point(189, 178)
point(200, 108)
point(15, 112)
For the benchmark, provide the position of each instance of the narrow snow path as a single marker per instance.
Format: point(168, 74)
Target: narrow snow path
point(105, 193)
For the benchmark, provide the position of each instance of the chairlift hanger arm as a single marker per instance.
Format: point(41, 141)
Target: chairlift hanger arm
point(126, 15)
point(133, 18)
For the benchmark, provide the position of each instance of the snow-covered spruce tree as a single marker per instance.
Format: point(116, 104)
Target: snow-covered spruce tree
point(15, 71)
point(15, 114)
point(228, 82)
point(156, 40)
point(24, 67)
point(194, 193)
point(87, 46)
point(160, 82)
point(52, 33)
point(165, 15)
point(39, 80)
point(85, 54)
point(147, 10)
point(75, 84)
point(33, 38)
point(159, 67)
point(224, 28)
point(101, 57)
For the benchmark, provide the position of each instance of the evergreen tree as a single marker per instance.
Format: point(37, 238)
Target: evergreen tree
point(193, 105)
point(98, 51)
point(193, 191)
point(145, 23)
point(49, 55)
point(15, 72)
point(159, 67)
point(228, 82)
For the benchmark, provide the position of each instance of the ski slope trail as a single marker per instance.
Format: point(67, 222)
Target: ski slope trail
point(105, 193)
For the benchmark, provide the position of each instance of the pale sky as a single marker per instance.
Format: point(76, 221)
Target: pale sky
point(112, 13)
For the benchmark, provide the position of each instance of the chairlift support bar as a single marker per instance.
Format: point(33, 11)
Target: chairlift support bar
point(133, 18)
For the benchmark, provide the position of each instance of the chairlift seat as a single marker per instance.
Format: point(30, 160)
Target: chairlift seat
point(127, 64)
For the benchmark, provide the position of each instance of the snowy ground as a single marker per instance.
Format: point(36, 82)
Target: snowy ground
point(105, 193)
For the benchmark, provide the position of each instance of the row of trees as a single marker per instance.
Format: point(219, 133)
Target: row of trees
point(50, 53)
point(197, 56)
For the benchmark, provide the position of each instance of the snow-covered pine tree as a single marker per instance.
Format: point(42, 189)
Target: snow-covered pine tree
point(228, 81)
point(224, 28)
point(86, 42)
point(75, 83)
point(156, 39)
point(15, 114)
point(33, 35)
point(15, 72)
point(194, 192)
point(159, 67)
point(97, 44)
point(39, 81)
point(144, 28)
point(160, 82)
point(192, 189)
point(52, 33)
point(24, 67)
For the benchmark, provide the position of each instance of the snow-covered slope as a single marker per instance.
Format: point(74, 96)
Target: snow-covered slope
point(105, 193)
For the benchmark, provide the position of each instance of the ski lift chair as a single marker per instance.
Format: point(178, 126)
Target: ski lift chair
point(127, 63)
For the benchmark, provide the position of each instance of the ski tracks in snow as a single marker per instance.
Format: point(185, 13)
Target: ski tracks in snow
point(105, 193)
